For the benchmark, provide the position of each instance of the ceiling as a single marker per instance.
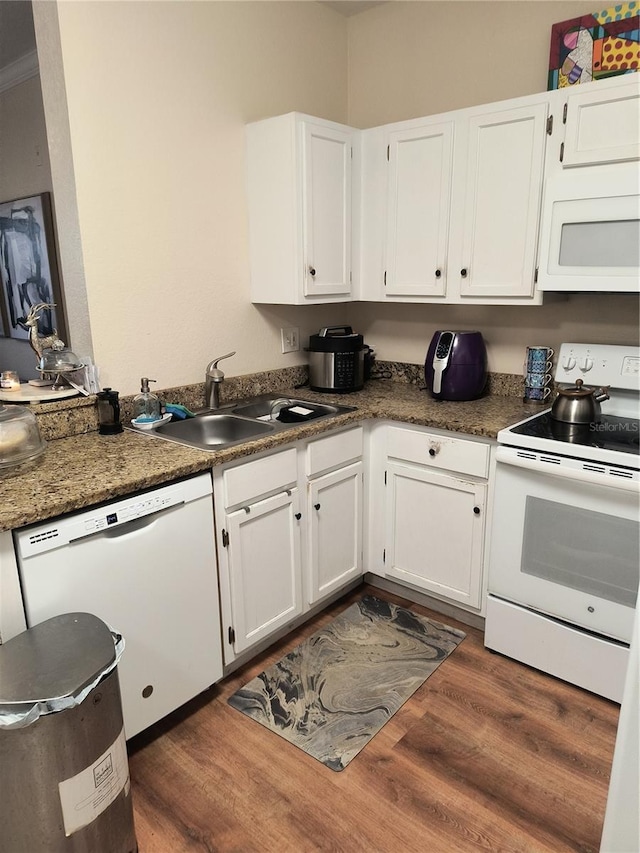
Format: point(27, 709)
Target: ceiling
point(17, 37)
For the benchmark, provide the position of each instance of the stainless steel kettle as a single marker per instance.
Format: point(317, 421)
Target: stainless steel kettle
point(579, 404)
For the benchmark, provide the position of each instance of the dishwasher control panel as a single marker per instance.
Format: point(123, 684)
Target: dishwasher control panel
point(66, 530)
point(129, 512)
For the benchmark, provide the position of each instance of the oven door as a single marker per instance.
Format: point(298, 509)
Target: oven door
point(565, 540)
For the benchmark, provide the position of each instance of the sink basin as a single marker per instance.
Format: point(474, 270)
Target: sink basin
point(249, 419)
point(210, 430)
point(261, 407)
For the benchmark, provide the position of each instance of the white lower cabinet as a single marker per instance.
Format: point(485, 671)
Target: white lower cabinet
point(292, 525)
point(334, 512)
point(429, 502)
point(434, 531)
point(263, 550)
point(278, 555)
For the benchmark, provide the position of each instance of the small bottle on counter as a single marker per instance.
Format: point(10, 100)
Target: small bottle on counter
point(146, 406)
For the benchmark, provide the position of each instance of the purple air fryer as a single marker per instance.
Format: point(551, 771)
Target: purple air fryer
point(456, 366)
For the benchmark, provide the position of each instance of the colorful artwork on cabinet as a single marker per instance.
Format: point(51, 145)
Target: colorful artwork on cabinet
point(603, 44)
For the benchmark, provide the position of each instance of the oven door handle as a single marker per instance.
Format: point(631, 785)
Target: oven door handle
point(506, 455)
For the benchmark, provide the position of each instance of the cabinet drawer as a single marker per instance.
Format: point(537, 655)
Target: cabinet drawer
point(251, 480)
point(333, 451)
point(439, 451)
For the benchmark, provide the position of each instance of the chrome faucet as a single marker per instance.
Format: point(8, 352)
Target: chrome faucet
point(213, 380)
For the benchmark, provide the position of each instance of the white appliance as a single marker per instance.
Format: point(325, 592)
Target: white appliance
point(590, 226)
point(146, 566)
point(565, 553)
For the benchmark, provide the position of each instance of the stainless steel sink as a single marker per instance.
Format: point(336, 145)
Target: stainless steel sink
point(211, 430)
point(262, 406)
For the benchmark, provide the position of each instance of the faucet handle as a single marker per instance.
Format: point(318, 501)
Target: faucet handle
point(213, 365)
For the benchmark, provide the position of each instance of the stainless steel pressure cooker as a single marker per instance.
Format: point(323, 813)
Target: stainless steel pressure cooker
point(337, 360)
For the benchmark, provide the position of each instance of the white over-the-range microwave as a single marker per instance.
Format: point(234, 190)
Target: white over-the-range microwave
point(590, 227)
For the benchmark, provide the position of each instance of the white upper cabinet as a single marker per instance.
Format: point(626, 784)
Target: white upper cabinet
point(603, 123)
point(419, 198)
point(461, 194)
point(299, 196)
point(497, 217)
point(327, 210)
point(489, 205)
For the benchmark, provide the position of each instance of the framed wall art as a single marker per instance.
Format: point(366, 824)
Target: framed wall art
point(28, 267)
point(602, 44)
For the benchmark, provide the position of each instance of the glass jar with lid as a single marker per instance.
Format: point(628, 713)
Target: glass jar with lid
point(20, 439)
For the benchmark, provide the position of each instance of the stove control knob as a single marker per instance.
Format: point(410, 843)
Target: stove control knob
point(587, 364)
point(569, 363)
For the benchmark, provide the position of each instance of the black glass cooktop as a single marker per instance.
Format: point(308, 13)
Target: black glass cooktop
point(609, 433)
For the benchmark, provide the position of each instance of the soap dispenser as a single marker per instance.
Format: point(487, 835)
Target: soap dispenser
point(146, 406)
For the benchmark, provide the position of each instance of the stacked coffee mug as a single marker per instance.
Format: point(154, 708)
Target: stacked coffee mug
point(537, 382)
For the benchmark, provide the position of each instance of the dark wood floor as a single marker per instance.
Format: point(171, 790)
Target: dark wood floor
point(487, 754)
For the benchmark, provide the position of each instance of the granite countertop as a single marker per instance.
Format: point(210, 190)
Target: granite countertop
point(81, 470)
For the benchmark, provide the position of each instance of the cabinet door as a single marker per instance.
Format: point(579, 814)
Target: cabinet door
point(434, 532)
point(602, 125)
point(335, 529)
point(502, 203)
point(327, 210)
point(419, 193)
point(263, 554)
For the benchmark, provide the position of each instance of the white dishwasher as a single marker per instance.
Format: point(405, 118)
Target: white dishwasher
point(146, 566)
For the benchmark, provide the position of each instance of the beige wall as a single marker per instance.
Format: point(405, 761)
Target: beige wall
point(158, 96)
point(415, 58)
point(403, 332)
point(410, 59)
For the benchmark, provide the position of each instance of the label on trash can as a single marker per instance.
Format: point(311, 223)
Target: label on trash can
point(87, 794)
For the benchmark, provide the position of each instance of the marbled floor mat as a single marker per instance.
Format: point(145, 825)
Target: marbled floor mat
point(332, 693)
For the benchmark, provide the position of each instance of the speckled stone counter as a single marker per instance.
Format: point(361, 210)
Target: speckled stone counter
point(87, 468)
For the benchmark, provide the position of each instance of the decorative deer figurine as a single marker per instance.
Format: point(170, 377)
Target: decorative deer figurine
point(37, 342)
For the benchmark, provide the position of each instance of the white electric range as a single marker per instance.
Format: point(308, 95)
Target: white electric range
point(565, 541)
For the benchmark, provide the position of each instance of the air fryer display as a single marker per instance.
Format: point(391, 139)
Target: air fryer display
point(444, 345)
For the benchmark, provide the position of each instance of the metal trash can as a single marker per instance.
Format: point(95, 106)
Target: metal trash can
point(64, 772)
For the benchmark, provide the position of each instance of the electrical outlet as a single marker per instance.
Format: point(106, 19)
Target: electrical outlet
point(290, 339)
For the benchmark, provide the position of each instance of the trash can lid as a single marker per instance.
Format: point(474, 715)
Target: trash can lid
point(55, 659)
